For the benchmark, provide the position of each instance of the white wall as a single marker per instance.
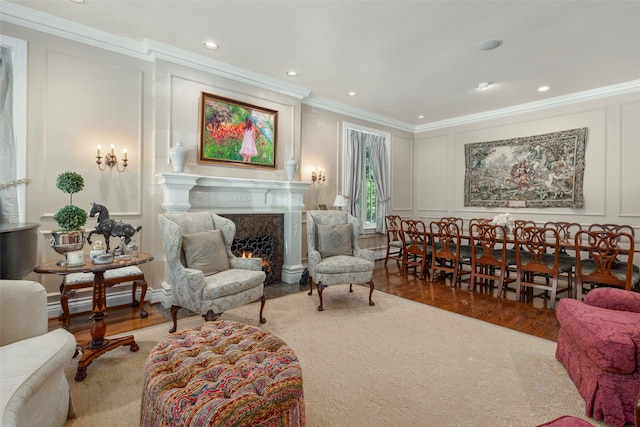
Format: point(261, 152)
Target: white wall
point(611, 183)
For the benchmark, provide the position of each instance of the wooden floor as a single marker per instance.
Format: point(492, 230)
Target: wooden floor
point(532, 318)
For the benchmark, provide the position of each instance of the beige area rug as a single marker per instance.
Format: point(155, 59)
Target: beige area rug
point(400, 363)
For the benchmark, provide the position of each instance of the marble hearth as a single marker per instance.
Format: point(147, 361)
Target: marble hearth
point(190, 193)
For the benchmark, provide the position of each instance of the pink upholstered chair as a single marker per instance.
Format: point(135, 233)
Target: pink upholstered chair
point(599, 346)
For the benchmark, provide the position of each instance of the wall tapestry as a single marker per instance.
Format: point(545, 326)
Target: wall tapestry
point(236, 133)
point(535, 171)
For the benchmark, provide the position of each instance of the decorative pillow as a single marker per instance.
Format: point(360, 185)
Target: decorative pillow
point(334, 239)
point(205, 251)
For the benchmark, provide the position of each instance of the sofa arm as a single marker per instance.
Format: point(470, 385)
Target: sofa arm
point(23, 310)
point(614, 299)
point(32, 380)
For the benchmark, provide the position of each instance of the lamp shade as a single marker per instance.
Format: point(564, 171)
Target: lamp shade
point(340, 201)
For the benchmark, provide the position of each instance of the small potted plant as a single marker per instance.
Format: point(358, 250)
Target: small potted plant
point(70, 218)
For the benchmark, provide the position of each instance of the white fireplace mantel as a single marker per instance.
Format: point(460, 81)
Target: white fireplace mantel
point(188, 192)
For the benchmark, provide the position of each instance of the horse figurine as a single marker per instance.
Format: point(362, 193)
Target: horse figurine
point(110, 227)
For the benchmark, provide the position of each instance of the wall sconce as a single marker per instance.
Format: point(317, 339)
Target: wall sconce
point(111, 160)
point(318, 176)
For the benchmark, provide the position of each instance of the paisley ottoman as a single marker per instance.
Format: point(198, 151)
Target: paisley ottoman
point(222, 374)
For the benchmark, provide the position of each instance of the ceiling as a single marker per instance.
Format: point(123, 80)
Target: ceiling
point(404, 59)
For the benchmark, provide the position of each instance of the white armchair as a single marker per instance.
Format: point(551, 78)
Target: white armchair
point(205, 276)
point(33, 388)
point(334, 255)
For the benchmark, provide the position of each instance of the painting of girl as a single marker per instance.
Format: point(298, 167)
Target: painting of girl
point(235, 133)
point(248, 149)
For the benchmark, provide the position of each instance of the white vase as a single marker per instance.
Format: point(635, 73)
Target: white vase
point(290, 167)
point(178, 156)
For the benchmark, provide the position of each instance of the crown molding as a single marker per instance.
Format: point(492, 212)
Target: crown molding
point(559, 101)
point(339, 108)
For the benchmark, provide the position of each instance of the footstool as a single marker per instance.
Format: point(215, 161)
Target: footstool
point(222, 373)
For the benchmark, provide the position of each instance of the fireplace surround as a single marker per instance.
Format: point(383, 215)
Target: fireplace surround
point(234, 196)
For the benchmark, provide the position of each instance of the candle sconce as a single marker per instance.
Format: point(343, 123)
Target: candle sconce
point(111, 160)
point(318, 176)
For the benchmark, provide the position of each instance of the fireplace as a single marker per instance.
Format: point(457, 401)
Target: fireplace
point(247, 202)
point(262, 235)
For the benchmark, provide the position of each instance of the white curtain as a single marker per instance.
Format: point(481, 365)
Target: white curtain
point(354, 171)
point(379, 162)
point(9, 206)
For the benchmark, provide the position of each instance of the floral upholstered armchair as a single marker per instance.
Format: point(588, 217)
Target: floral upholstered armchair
point(334, 255)
point(205, 276)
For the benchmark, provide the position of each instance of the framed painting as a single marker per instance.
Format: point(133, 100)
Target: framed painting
point(234, 133)
point(537, 171)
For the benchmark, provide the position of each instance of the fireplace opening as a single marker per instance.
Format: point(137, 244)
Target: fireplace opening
point(263, 235)
point(258, 247)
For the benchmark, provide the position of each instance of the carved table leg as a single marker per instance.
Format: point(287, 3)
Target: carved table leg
point(98, 344)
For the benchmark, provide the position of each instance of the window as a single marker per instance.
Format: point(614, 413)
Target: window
point(369, 198)
point(361, 177)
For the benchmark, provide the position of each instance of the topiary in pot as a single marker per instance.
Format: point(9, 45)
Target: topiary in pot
point(70, 217)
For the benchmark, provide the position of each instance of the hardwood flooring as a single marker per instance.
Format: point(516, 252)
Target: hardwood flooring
point(533, 318)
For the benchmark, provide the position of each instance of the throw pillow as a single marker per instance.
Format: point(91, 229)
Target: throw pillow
point(334, 239)
point(205, 251)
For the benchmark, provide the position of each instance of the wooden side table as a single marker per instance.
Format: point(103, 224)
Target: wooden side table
point(98, 344)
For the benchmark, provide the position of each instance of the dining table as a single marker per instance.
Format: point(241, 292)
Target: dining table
point(98, 345)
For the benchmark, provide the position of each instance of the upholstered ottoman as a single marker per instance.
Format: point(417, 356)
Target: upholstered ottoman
point(222, 374)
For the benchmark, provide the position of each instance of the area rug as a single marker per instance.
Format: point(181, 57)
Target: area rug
point(399, 363)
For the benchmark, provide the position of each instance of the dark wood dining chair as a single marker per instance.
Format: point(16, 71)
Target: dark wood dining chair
point(416, 247)
point(605, 258)
point(613, 228)
point(394, 241)
point(465, 251)
point(488, 257)
point(566, 235)
point(539, 264)
point(446, 250)
point(454, 220)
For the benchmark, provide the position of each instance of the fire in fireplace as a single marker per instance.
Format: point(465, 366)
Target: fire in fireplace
point(258, 247)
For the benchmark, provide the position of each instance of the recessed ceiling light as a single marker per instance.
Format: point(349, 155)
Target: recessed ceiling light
point(543, 88)
point(210, 45)
point(79, 1)
point(421, 116)
point(352, 94)
point(291, 73)
point(484, 85)
point(490, 44)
